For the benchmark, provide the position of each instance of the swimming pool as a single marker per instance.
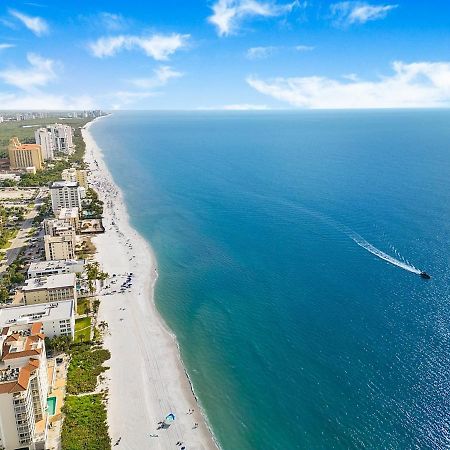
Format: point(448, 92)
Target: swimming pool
point(51, 406)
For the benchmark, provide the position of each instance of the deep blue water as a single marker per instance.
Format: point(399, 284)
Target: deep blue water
point(294, 335)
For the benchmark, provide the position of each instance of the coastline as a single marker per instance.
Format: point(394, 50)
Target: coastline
point(146, 379)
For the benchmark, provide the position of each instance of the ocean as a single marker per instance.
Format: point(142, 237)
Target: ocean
point(288, 247)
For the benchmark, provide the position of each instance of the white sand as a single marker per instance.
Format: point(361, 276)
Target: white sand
point(146, 379)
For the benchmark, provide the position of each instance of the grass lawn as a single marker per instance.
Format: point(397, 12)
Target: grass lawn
point(85, 425)
point(83, 306)
point(83, 329)
point(86, 364)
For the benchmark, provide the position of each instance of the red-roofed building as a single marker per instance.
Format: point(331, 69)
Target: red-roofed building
point(23, 387)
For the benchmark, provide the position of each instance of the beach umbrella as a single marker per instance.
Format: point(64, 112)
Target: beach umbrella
point(169, 418)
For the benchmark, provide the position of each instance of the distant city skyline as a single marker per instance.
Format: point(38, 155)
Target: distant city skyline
point(224, 54)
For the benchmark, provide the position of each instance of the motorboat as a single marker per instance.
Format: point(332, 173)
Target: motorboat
point(424, 275)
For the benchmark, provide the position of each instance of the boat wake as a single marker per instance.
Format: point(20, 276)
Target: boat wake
point(398, 261)
point(377, 252)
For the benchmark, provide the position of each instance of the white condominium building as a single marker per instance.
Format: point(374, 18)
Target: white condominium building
point(57, 267)
point(44, 138)
point(23, 388)
point(55, 138)
point(55, 319)
point(53, 288)
point(65, 194)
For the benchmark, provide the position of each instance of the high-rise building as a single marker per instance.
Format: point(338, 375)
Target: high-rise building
point(23, 156)
point(23, 387)
point(44, 138)
point(62, 135)
point(65, 194)
point(55, 138)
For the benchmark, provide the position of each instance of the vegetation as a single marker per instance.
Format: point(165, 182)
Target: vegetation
point(86, 248)
point(25, 129)
point(93, 274)
point(80, 148)
point(86, 365)
point(43, 177)
point(6, 234)
point(84, 306)
point(83, 329)
point(93, 205)
point(7, 182)
point(58, 343)
point(45, 211)
point(85, 425)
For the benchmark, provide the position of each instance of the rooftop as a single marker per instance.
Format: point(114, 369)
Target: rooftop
point(15, 372)
point(54, 265)
point(68, 213)
point(62, 184)
point(50, 282)
point(21, 315)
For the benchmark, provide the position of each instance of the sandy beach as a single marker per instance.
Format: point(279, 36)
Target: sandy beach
point(146, 379)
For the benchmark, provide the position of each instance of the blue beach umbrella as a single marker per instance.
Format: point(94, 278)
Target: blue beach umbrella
point(169, 418)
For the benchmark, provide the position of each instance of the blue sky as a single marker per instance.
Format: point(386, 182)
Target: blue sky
point(224, 54)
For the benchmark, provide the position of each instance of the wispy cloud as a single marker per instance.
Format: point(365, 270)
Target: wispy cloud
point(36, 24)
point(162, 75)
point(105, 20)
point(229, 14)
point(260, 52)
point(5, 46)
point(39, 73)
point(159, 46)
point(350, 12)
point(304, 48)
point(41, 100)
point(113, 22)
point(414, 85)
point(255, 53)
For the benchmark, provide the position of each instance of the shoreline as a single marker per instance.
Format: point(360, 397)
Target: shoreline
point(149, 380)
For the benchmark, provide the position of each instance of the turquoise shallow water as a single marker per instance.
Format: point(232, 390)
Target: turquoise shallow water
point(294, 335)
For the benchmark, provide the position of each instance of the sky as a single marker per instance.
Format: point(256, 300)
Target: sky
point(224, 54)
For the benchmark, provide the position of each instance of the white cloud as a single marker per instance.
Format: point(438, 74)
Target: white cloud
point(162, 75)
point(260, 52)
point(228, 14)
point(113, 22)
point(414, 85)
point(36, 24)
point(158, 46)
point(42, 100)
point(40, 72)
point(265, 52)
point(5, 46)
point(304, 48)
point(350, 12)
